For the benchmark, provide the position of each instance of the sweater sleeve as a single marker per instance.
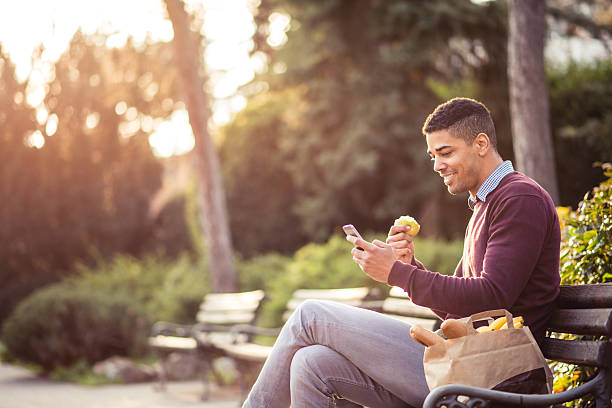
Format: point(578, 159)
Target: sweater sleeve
point(517, 231)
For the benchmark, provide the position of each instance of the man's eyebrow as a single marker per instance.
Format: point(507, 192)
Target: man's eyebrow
point(438, 149)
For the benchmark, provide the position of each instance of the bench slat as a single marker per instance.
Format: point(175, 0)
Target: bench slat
point(208, 306)
point(405, 307)
point(396, 291)
point(332, 294)
point(232, 301)
point(585, 296)
point(226, 318)
point(428, 324)
point(582, 352)
point(294, 303)
point(246, 351)
point(173, 342)
point(582, 321)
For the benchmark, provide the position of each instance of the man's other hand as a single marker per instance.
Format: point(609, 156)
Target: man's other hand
point(376, 258)
point(401, 242)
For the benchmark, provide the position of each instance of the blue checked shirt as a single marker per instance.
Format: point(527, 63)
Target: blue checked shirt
point(491, 183)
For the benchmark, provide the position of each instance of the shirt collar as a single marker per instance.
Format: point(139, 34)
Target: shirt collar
point(491, 183)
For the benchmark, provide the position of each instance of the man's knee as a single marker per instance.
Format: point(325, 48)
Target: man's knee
point(314, 362)
point(305, 314)
point(323, 310)
point(310, 307)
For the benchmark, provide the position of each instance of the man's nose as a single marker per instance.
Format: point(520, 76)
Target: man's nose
point(438, 164)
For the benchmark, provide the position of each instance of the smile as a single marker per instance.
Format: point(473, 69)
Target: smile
point(447, 177)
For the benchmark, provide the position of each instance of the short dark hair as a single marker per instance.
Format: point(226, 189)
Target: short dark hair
point(464, 118)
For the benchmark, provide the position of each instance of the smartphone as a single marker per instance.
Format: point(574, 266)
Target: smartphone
point(349, 229)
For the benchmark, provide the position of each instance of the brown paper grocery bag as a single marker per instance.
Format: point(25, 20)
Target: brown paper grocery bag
point(484, 359)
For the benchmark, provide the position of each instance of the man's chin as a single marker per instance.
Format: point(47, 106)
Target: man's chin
point(454, 190)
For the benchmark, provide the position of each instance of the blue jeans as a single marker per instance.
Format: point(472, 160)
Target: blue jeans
point(332, 355)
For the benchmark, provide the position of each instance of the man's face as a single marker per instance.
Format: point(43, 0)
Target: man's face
point(455, 161)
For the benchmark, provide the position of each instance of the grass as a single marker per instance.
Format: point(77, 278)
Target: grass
point(80, 373)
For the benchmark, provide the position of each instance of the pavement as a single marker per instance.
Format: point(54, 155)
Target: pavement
point(20, 388)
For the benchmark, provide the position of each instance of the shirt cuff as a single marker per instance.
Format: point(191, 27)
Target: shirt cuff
point(400, 275)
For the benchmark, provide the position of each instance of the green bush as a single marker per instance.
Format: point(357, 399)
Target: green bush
point(586, 252)
point(184, 286)
point(437, 255)
point(586, 248)
point(80, 373)
point(256, 272)
point(62, 324)
point(167, 289)
point(104, 310)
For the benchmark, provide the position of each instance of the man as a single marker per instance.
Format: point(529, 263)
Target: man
point(334, 355)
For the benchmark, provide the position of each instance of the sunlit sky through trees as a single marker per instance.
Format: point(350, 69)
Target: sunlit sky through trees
point(229, 26)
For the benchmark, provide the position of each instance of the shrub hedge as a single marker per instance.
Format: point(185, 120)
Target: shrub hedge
point(167, 289)
point(61, 325)
point(586, 257)
point(104, 310)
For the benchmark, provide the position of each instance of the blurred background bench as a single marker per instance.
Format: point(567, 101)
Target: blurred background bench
point(217, 315)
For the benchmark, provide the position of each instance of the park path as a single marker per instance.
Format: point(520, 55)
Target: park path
point(19, 388)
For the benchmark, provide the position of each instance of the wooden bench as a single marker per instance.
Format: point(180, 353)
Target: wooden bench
point(582, 310)
point(250, 356)
point(217, 315)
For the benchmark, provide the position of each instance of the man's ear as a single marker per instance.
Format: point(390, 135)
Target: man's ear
point(482, 143)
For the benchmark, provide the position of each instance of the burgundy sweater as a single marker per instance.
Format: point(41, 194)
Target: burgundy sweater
point(510, 260)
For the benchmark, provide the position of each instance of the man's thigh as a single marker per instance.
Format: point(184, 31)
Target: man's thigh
point(321, 377)
point(378, 345)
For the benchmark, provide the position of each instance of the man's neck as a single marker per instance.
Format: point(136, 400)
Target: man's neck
point(491, 162)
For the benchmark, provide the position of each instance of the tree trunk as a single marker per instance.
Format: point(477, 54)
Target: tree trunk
point(529, 108)
point(213, 216)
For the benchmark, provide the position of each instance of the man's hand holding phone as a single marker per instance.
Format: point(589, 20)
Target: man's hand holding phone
point(350, 230)
point(375, 259)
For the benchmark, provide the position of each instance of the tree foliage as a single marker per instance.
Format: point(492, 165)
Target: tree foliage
point(581, 119)
point(261, 191)
point(85, 194)
point(363, 76)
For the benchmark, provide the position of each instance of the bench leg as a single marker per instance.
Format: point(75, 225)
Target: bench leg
point(205, 363)
point(603, 391)
point(162, 379)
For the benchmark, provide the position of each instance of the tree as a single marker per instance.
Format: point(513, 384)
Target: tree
point(354, 149)
point(214, 217)
point(260, 190)
point(84, 195)
point(581, 119)
point(529, 105)
point(362, 76)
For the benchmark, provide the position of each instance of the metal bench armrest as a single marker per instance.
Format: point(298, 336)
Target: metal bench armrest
point(209, 328)
point(447, 395)
point(255, 330)
point(171, 329)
